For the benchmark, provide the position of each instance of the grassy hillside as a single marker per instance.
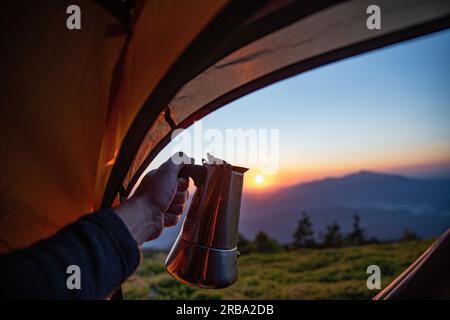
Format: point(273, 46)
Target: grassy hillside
point(299, 274)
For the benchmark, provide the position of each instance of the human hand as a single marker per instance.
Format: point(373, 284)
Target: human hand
point(158, 202)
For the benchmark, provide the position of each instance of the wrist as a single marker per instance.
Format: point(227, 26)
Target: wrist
point(137, 213)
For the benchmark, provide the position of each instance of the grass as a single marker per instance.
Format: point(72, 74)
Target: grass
point(297, 274)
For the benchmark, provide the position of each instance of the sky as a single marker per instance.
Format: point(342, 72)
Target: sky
point(387, 111)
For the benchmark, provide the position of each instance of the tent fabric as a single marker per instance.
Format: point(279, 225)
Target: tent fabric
point(84, 111)
point(427, 278)
point(182, 70)
point(336, 31)
point(54, 93)
point(146, 62)
point(263, 18)
point(60, 131)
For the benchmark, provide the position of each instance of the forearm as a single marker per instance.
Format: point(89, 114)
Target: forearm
point(99, 244)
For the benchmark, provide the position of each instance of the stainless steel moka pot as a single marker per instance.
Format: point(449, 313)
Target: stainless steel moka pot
point(205, 254)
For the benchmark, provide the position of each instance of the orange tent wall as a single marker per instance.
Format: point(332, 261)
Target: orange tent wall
point(59, 130)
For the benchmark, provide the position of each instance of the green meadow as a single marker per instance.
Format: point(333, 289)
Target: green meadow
point(295, 274)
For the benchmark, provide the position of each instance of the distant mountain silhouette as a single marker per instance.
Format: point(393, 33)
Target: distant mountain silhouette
point(368, 188)
point(386, 204)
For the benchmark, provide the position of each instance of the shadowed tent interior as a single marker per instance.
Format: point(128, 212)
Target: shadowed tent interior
point(85, 111)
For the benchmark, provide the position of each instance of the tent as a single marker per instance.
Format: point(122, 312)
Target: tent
point(83, 112)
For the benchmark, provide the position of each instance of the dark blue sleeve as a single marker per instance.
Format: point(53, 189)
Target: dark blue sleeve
point(99, 244)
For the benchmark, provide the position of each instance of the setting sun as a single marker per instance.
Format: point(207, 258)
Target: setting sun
point(255, 181)
point(259, 179)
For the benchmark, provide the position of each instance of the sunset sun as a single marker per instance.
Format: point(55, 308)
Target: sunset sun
point(259, 179)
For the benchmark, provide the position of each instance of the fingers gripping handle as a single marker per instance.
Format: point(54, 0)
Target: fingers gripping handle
point(196, 172)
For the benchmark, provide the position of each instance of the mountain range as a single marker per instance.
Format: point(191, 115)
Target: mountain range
point(386, 204)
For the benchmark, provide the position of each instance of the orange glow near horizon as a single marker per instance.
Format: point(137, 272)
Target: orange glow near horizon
point(288, 176)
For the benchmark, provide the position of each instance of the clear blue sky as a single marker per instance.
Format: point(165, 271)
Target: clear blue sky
point(387, 110)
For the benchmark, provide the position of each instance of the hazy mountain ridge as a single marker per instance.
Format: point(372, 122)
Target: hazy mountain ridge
point(364, 188)
point(387, 204)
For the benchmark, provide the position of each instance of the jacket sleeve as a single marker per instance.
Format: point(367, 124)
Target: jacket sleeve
point(100, 247)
